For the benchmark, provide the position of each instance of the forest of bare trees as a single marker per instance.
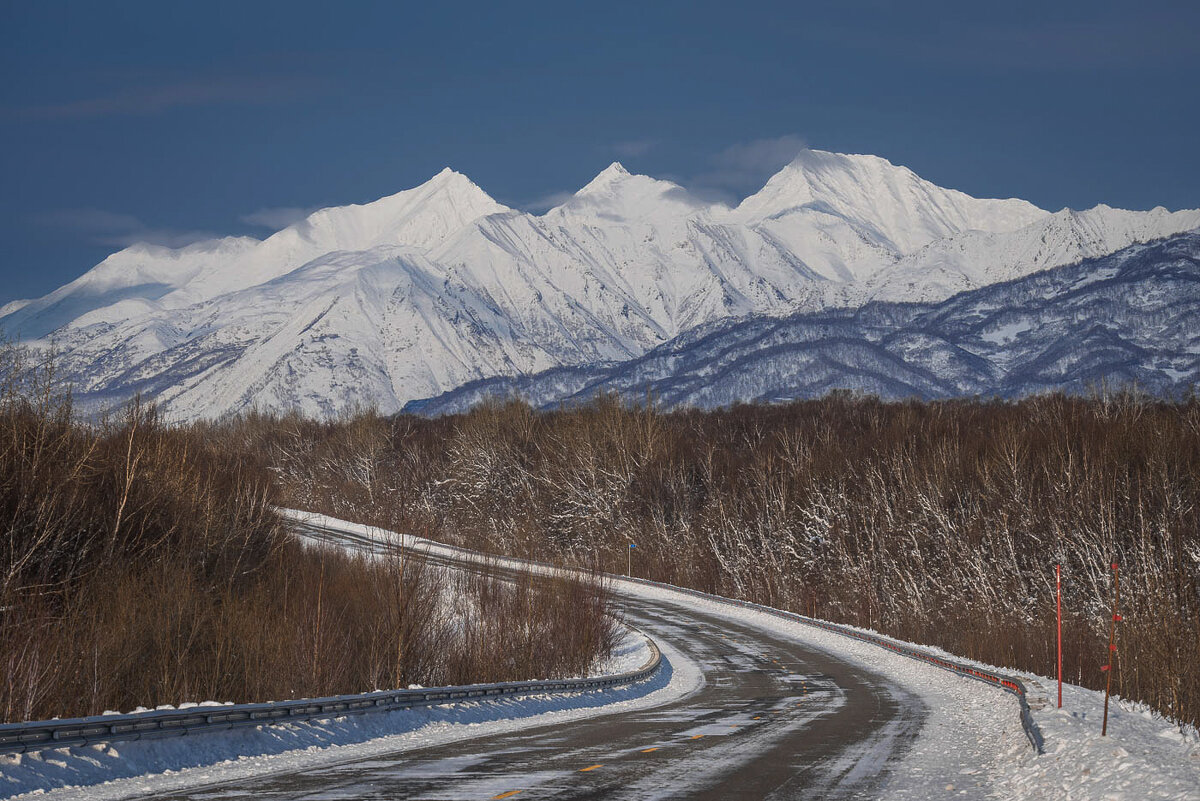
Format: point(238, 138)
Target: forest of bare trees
point(144, 564)
point(935, 522)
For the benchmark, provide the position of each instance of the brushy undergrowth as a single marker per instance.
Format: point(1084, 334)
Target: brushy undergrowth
point(143, 564)
point(936, 522)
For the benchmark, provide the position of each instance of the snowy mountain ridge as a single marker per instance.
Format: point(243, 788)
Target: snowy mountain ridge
point(422, 291)
point(1130, 317)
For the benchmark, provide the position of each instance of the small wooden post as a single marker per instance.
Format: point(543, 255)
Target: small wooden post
point(1058, 602)
point(1112, 646)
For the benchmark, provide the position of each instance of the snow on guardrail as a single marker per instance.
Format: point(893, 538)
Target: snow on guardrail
point(21, 737)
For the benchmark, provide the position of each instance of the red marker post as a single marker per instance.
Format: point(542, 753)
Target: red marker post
point(1112, 646)
point(1058, 602)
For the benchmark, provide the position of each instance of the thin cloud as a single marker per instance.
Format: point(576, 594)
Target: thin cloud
point(744, 167)
point(149, 100)
point(760, 154)
point(277, 218)
point(90, 220)
point(1119, 41)
point(547, 202)
point(119, 230)
point(633, 148)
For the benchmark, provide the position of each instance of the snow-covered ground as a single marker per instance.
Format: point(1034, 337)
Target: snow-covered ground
point(974, 730)
point(977, 727)
point(972, 744)
point(122, 769)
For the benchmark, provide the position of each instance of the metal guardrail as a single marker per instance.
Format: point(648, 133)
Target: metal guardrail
point(1001, 681)
point(19, 737)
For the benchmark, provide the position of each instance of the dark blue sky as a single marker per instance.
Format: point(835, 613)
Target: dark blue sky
point(168, 121)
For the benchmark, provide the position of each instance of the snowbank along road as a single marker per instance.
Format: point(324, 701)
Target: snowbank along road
point(746, 705)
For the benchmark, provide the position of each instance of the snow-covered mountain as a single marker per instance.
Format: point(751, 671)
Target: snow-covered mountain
point(1130, 317)
point(425, 290)
point(147, 278)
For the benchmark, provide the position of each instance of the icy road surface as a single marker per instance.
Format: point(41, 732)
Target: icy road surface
point(773, 718)
point(748, 705)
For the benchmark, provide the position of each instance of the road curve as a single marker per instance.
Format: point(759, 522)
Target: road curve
point(773, 719)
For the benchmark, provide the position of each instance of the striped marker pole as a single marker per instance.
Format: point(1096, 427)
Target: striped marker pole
point(1112, 646)
point(1058, 600)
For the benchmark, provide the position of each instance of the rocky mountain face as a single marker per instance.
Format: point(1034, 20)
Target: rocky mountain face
point(1132, 317)
point(418, 293)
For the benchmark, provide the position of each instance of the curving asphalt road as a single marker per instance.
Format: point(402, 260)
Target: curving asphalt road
point(773, 720)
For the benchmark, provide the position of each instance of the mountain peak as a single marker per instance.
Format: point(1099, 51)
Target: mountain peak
point(889, 205)
point(610, 175)
point(449, 175)
point(618, 194)
point(814, 174)
point(423, 217)
point(420, 291)
point(447, 180)
point(614, 170)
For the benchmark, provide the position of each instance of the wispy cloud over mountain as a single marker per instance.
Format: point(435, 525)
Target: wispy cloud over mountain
point(547, 201)
point(744, 166)
point(156, 99)
point(118, 230)
point(277, 218)
point(633, 148)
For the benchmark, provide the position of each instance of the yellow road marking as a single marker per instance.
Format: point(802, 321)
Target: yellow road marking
point(648, 750)
point(593, 767)
point(696, 736)
point(509, 794)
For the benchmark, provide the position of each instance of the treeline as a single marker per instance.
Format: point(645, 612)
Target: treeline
point(935, 522)
point(143, 564)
